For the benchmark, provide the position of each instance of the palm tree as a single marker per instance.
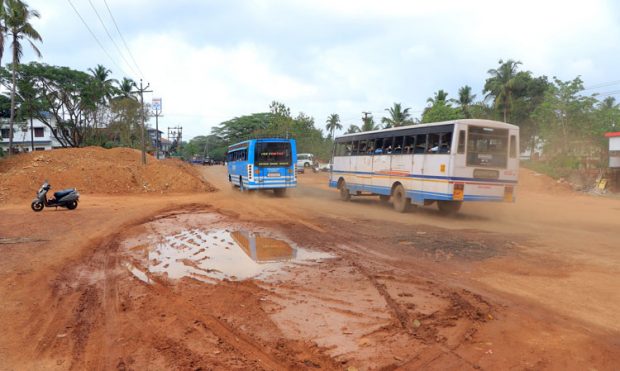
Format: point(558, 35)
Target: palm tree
point(398, 116)
point(440, 97)
point(368, 124)
point(104, 85)
point(333, 123)
point(17, 16)
point(2, 30)
point(125, 88)
point(466, 98)
point(501, 84)
point(353, 129)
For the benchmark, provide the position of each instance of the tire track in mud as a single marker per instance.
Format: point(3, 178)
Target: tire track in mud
point(91, 310)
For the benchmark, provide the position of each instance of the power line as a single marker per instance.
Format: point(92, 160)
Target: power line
point(602, 85)
point(122, 38)
point(110, 37)
point(93, 35)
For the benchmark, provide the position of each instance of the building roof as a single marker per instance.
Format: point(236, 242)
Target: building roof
point(613, 134)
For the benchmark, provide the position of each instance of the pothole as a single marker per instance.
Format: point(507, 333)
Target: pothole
point(224, 251)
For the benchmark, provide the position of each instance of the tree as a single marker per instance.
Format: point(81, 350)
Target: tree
point(501, 85)
point(105, 88)
point(333, 123)
point(368, 124)
point(466, 99)
point(440, 111)
point(353, 129)
point(125, 88)
point(17, 16)
point(397, 117)
point(64, 99)
point(439, 97)
point(568, 121)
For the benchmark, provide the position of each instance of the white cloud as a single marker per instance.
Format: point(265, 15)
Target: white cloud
point(211, 61)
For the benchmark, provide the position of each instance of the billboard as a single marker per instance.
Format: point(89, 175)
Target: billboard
point(156, 104)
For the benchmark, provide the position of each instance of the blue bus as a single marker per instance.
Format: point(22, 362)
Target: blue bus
point(267, 163)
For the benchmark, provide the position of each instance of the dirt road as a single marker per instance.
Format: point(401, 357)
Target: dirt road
point(124, 282)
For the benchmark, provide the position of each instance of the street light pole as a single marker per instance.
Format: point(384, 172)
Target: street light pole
point(141, 91)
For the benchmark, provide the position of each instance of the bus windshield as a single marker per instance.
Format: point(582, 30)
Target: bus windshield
point(487, 147)
point(273, 154)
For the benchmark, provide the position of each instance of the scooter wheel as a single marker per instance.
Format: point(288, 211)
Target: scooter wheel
point(37, 206)
point(72, 205)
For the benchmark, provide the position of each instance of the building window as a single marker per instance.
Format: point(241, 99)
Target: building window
point(39, 132)
point(5, 133)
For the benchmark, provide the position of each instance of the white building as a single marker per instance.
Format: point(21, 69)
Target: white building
point(42, 138)
point(614, 149)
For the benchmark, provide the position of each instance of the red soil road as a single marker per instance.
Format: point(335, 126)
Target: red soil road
point(530, 285)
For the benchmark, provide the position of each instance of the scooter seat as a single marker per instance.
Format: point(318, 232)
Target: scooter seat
point(62, 193)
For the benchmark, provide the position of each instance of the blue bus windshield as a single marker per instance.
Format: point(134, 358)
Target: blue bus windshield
point(273, 154)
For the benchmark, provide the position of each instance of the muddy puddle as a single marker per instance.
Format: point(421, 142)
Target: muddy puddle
point(221, 251)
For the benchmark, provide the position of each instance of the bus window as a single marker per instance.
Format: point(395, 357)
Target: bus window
point(398, 145)
point(513, 146)
point(355, 147)
point(378, 149)
point(461, 147)
point(445, 142)
point(272, 154)
point(487, 147)
point(341, 149)
point(420, 143)
point(362, 148)
point(409, 145)
point(387, 145)
point(433, 143)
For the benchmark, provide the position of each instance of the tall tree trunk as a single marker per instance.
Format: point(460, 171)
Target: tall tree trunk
point(31, 133)
point(12, 119)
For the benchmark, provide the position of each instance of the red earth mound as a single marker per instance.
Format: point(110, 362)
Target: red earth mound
point(96, 170)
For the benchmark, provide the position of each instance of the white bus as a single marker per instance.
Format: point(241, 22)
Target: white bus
point(445, 162)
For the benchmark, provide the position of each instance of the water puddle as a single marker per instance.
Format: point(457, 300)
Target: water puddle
point(221, 254)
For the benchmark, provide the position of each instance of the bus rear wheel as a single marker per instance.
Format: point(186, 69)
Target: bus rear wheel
point(449, 207)
point(345, 195)
point(399, 199)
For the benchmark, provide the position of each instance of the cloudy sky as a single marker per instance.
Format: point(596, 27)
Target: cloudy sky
point(212, 60)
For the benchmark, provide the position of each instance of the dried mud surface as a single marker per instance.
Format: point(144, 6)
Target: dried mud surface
point(95, 170)
point(526, 286)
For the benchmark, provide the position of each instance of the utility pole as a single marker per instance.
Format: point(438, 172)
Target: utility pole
point(366, 115)
point(141, 91)
point(156, 104)
point(177, 134)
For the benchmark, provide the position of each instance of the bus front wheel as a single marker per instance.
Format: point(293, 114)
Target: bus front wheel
point(449, 207)
point(344, 192)
point(399, 199)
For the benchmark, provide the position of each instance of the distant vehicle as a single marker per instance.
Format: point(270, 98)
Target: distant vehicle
point(305, 160)
point(267, 163)
point(445, 162)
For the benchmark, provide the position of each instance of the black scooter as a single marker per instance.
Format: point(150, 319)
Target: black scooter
point(66, 198)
